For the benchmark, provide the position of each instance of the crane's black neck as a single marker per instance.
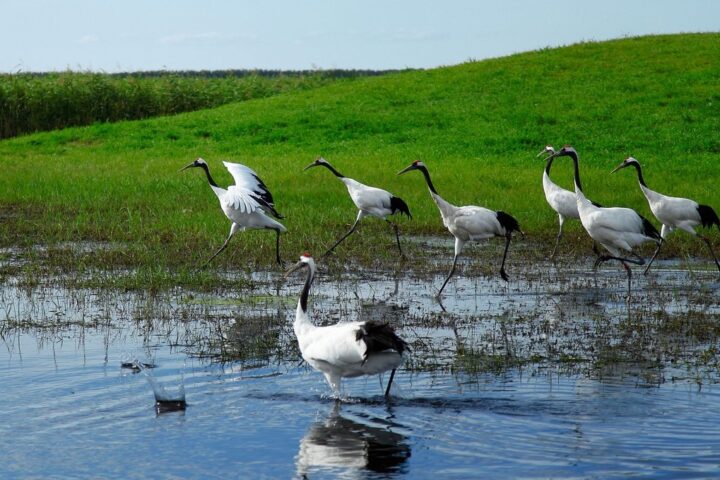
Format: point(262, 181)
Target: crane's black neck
point(207, 173)
point(332, 169)
point(638, 169)
point(426, 174)
point(548, 164)
point(306, 289)
point(574, 157)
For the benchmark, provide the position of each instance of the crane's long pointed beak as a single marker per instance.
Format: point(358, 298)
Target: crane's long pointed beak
point(622, 165)
point(310, 166)
point(294, 268)
point(546, 152)
point(411, 167)
point(187, 166)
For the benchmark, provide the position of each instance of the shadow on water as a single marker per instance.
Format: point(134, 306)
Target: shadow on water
point(496, 403)
point(342, 444)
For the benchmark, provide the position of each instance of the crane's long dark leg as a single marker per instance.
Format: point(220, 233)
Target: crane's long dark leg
point(387, 390)
point(597, 253)
point(557, 239)
point(352, 229)
point(709, 245)
point(598, 256)
point(452, 270)
point(504, 276)
point(629, 275)
point(234, 228)
point(438, 299)
point(397, 237)
point(652, 259)
point(638, 260)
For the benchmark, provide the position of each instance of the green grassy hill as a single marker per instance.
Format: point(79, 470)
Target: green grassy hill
point(478, 127)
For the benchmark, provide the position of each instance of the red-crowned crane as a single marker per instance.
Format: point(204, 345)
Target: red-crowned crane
point(674, 212)
point(561, 200)
point(370, 201)
point(469, 223)
point(617, 229)
point(247, 203)
point(346, 349)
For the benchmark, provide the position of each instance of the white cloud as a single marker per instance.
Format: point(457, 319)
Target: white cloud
point(416, 36)
point(87, 39)
point(394, 36)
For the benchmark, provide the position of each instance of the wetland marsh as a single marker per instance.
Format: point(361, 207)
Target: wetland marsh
point(552, 374)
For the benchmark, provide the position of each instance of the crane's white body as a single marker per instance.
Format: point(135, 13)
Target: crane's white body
point(371, 201)
point(346, 349)
point(244, 218)
point(561, 200)
point(242, 203)
point(615, 228)
point(468, 223)
point(673, 212)
point(335, 351)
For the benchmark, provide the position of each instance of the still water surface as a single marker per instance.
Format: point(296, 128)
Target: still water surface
point(69, 410)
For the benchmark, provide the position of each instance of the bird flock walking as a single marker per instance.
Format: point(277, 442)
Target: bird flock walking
point(352, 349)
point(617, 229)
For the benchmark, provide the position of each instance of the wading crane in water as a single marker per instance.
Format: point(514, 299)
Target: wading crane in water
point(370, 201)
point(469, 222)
point(617, 229)
point(346, 349)
point(561, 200)
point(674, 212)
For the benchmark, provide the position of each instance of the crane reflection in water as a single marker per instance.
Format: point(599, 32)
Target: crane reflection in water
point(344, 445)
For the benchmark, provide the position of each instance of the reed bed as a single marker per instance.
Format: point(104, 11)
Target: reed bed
point(32, 102)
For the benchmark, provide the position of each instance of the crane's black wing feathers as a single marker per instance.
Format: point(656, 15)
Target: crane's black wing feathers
point(379, 337)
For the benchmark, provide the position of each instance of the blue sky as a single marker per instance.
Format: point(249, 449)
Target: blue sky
point(129, 35)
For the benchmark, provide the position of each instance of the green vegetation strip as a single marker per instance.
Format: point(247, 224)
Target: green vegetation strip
point(31, 102)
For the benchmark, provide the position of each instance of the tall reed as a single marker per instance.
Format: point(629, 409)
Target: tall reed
point(31, 102)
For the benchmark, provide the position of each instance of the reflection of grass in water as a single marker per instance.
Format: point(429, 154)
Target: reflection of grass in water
point(247, 300)
point(254, 340)
point(471, 361)
point(642, 345)
point(669, 333)
point(152, 279)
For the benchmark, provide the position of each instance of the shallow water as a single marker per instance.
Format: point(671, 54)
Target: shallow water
point(551, 375)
